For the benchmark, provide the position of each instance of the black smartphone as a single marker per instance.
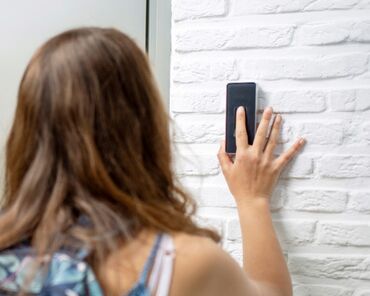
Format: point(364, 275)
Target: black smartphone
point(240, 94)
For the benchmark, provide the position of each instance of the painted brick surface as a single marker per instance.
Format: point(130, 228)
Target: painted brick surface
point(334, 32)
point(350, 100)
point(338, 267)
point(293, 232)
point(360, 202)
point(311, 61)
point(304, 290)
point(310, 200)
point(345, 166)
point(346, 234)
point(305, 67)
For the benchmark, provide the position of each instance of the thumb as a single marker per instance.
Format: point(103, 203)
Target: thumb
point(223, 157)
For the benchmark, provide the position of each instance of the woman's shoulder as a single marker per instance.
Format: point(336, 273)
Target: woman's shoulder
point(203, 265)
point(201, 250)
point(196, 251)
point(199, 247)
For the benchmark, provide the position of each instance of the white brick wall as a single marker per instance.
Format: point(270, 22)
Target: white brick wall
point(311, 60)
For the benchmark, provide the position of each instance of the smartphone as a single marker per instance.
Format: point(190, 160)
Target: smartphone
point(240, 94)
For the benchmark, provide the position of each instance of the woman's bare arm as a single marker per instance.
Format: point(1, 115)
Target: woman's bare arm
point(251, 179)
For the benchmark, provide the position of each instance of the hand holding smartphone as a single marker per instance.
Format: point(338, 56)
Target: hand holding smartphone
point(255, 174)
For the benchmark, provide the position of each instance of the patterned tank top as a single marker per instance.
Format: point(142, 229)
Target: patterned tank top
point(71, 276)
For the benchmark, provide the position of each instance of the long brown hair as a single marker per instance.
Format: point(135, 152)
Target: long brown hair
point(90, 139)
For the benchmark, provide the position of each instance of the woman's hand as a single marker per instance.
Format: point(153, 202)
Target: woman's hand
point(253, 174)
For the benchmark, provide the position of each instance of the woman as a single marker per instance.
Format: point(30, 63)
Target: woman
point(88, 174)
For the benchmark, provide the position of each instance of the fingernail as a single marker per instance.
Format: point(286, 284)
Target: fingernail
point(268, 109)
point(240, 110)
point(301, 141)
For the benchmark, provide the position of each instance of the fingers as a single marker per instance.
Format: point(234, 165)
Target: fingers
point(241, 135)
point(274, 136)
point(284, 158)
point(260, 137)
point(223, 157)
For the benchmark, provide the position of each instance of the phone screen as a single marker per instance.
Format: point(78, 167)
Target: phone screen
point(240, 94)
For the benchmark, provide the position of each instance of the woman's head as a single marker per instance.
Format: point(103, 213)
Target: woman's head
point(90, 138)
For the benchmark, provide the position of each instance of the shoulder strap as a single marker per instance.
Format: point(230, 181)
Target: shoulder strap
point(160, 278)
point(148, 264)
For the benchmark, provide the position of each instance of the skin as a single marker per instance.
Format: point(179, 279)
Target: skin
point(202, 267)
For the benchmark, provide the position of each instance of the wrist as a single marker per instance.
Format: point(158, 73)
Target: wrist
point(253, 202)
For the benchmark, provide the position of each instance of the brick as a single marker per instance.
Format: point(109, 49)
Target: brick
point(203, 130)
point(345, 234)
point(298, 167)
point(344, 166)
point(364, 4)
point(330, 266)
point(364, 132)
point(323, 33)
point(362, 293)
point(189, 9)
point(350, 99)
point(268, 6)
point(308, 200)
point(318, 290)
point(198, 70)
point(285, 6)
point(331, 5)
point(343, 100)
point(356, 133)
point(203, 39)
point(200, 101)
point(293, 232)
point(359, 201)
point(233, 230)
point(361, 31)
point(266, 36)
point(331, 133)
point(362, 99)
point(190, 71)
point(224, 69)
point(285, 132)
point(213, 196)
point(305, 67)
point(233, 38)
point(196, 165)
point(296, 101)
